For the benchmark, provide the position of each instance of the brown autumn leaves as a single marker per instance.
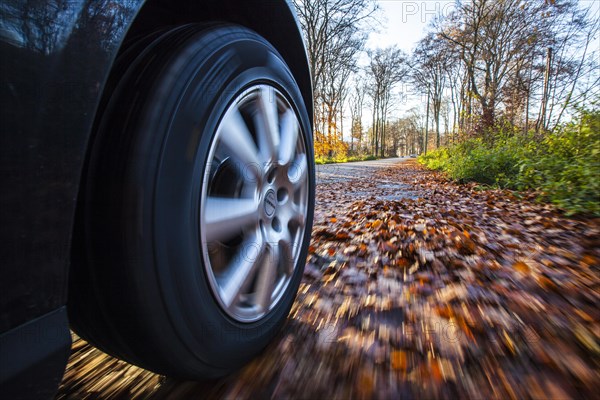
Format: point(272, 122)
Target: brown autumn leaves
point(448, 290)
point(416, 287)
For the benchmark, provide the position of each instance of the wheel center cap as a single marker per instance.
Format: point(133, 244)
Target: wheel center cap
point(270, 203)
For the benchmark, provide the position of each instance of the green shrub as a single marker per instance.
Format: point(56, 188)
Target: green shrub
point(367, 158)
point(436, 159)
point(474, 160)
point(564, 165)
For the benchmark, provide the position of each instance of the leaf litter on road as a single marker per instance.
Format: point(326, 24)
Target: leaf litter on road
point(435, 291)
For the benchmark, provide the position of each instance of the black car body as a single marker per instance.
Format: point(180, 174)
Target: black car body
point(55, 59)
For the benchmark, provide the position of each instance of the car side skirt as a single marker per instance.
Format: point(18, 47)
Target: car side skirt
point(33, 357)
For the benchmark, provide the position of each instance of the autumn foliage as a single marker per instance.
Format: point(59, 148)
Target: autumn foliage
point(329, 147)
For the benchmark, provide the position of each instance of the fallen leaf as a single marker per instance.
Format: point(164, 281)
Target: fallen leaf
point(588, 260)
point(546, 283)
point(365, 383)
point(398, 360)
point(521, 267)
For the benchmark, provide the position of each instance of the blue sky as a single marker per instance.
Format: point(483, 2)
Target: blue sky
point(403, 23)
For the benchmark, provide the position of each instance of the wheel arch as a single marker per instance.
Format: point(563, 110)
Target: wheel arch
point(275, 20)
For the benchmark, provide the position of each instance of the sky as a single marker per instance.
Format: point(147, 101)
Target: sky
point(403, 23)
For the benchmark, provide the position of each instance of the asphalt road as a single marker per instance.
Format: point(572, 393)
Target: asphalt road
point(347, 171)
point(359, 182)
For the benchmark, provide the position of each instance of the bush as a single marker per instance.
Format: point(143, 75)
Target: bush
point(563, 165)
point(437, 159)
point(474, 160)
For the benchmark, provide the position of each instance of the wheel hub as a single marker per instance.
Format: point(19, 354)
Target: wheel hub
point(270, 203)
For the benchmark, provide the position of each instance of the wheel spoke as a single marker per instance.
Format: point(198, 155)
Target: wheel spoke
point(289, 137)
point(287, 255)
point(225, 217)
point(238, 140)
point(241, 272)
point(266, 277)
point(267, 121)
point(298, 171)
point(297, 215)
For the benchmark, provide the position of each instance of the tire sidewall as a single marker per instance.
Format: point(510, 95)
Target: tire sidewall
point(188, 116)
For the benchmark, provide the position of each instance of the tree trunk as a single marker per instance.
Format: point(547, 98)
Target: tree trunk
point(426, 124)
point(541, 123)
point(487, 118)
point(437, 124)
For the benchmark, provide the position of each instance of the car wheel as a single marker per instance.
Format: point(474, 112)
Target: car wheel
point(196, 206)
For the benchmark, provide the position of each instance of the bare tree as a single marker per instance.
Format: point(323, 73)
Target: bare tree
point(356, 102)
point(335, 33)
point(387, 68)
point(494, 40)
point(576, 51)
point(414, 126)
point(429, 65)
point(511, 54)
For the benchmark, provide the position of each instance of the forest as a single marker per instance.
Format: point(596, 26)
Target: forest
point(505, 92)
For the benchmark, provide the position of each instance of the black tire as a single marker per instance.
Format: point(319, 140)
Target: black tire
point(139, 291)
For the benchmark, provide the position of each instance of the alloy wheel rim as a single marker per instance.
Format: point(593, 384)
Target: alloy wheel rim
point(254, 203)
